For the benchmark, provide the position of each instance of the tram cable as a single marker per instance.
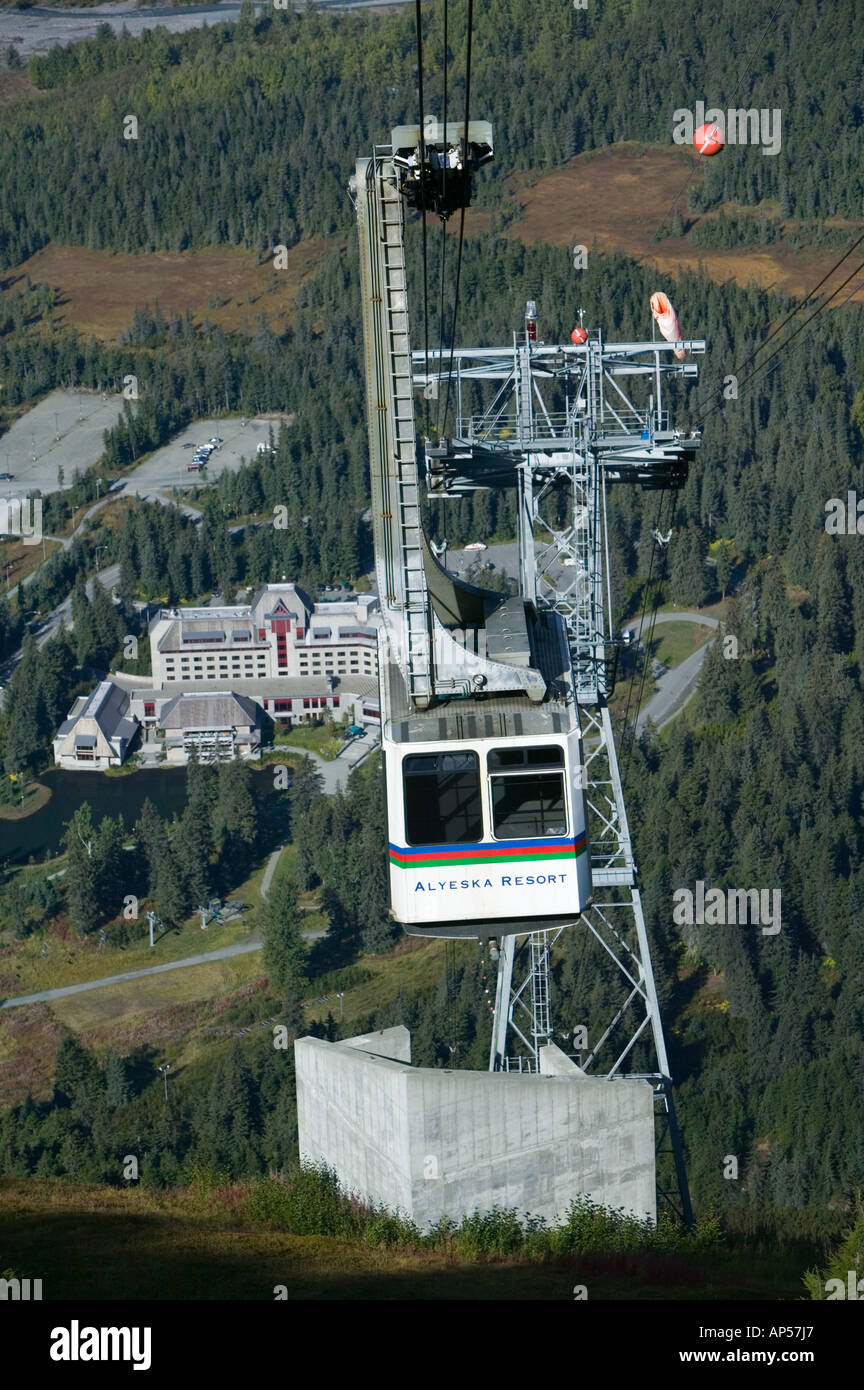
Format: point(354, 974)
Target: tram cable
point(645, 642)
point(461, 214)
point(630, 734)
point(418, 24)
point(443, 227)
point(647, 645)
point(841, 305)
point(782, 348)
point(756, 51)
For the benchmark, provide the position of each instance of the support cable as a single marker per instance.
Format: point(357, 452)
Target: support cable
point(783, 346)
point(461, 215)
point(756, 51)
point(626, 721)
point(443, 229)
point(647, 644)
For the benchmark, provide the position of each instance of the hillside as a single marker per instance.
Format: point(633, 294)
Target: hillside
point(88, 1241)
point(619, 200)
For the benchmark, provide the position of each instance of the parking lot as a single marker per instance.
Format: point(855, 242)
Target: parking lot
point(63, 431)
point(168, 468)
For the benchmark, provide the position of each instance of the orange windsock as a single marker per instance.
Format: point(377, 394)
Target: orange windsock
point(667, 321)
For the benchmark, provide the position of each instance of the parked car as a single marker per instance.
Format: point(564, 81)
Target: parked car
point(476, 545)
point(6, 477)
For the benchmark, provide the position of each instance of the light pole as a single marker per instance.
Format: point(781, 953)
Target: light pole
point(164, 1069)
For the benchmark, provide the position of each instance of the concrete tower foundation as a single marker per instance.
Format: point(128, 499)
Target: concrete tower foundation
point(430, 1143)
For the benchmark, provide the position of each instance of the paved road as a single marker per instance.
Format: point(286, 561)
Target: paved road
point(269, 872)
point(706, 619)
point(335, 772)
point(46, 995)
point(677, 686)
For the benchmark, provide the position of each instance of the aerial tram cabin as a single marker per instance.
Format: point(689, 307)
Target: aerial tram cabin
point(485, 798)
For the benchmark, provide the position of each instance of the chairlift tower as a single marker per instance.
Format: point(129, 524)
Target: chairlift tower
point(560, 423)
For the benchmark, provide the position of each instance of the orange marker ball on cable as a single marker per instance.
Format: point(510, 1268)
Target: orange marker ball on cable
point(708, 140)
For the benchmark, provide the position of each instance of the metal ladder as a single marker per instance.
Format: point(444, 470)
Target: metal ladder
point(539, 944)
point(404, 489)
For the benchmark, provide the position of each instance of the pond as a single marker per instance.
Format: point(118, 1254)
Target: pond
point(41, 834)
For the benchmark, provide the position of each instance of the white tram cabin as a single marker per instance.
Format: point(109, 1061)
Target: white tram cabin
point(487, 836)
point(486, 815)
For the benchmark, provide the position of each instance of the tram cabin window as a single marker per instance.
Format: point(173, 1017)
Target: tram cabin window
point(528, 800)
point(442, 798)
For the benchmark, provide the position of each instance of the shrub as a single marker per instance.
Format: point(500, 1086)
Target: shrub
point(305, 1201)
point(382, 1228)
point(847, 1258)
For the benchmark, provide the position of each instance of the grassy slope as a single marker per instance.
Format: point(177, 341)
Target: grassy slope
point(95, 1242)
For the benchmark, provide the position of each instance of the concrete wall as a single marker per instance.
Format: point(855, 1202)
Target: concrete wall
point(352, 1112)
point(434, 1143)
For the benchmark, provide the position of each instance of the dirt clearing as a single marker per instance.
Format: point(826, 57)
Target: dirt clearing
point(99, 292)
point(615, 199)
